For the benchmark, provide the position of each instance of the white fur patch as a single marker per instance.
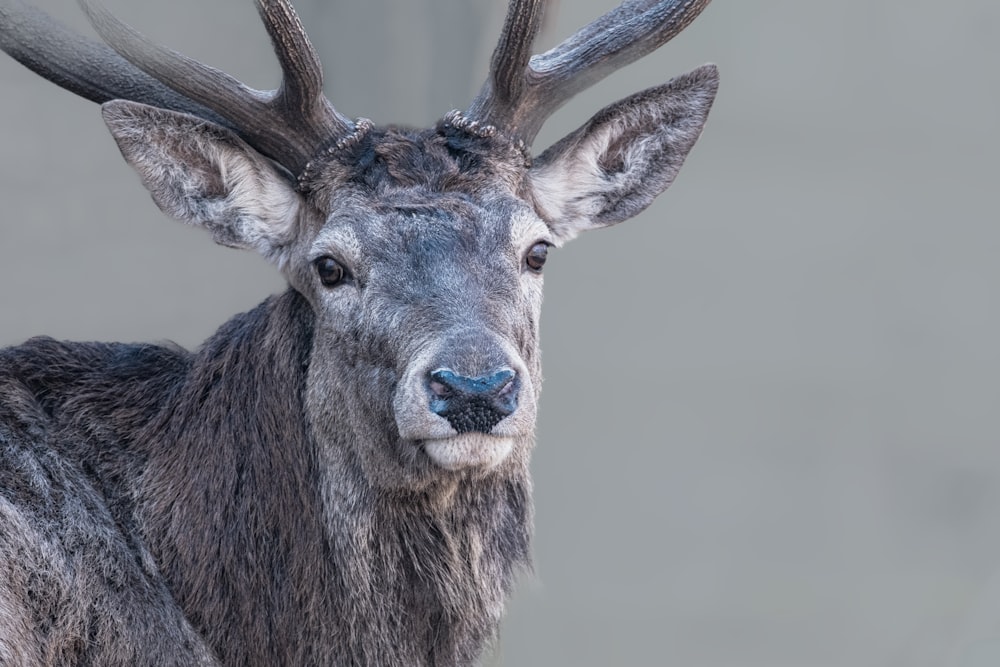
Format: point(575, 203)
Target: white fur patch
point(267, 207)
point(528, 229)
point(566, 190)
point(469, 450)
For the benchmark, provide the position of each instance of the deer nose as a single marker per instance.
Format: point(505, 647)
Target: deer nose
point(473, 403)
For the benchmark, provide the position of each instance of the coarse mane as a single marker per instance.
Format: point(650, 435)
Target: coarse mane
point(227, 500)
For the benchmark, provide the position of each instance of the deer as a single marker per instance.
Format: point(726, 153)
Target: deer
point(339, 476)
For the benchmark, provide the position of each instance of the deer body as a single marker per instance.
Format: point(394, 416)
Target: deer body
point(248, 510)
point(339, 476)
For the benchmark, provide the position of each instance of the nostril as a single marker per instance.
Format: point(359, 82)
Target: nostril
point(510, 387)
point(439, 389)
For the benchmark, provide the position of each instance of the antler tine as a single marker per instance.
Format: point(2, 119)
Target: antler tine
point(505, 86)
point(287, 125)
point(302, 81)
point(622, 36)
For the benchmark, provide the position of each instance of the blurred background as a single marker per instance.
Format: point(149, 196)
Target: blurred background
point(770, 431)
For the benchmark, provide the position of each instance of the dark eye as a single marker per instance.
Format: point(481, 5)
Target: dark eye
point(535, 259)
point(330, 271)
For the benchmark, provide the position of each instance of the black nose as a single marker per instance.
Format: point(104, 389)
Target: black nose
point(473, 404)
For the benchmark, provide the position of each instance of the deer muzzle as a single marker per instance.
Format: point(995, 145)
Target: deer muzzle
point(466, 404)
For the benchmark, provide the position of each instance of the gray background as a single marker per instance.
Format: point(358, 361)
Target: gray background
point(769, 428)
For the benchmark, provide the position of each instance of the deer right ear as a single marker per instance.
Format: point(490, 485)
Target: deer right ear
point(203, 174)
point(621, 159)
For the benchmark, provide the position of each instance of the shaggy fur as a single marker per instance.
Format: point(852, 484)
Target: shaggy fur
point(155, 503)
point(287, 494)
point(255, 503)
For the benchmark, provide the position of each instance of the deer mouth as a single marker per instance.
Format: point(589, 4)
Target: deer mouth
point(468, 450)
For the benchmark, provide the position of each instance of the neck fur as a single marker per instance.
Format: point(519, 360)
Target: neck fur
point(278, 559)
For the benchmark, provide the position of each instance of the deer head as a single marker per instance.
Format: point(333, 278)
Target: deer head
point(420, 250)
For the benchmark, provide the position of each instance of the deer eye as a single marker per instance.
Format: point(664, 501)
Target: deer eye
point(535, 259)
point(329, 270)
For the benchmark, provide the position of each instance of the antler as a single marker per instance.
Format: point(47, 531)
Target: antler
point(522, 91)
point(288, 125)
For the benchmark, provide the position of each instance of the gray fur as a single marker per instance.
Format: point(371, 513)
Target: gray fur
point(286, 495)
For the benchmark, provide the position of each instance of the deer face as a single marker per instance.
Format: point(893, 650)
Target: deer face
point(431, 332)
point(423, 264)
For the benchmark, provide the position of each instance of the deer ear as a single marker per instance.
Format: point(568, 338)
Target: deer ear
point(205, 175)
point(614, 166)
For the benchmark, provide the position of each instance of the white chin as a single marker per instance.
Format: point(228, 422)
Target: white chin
point(469, 450)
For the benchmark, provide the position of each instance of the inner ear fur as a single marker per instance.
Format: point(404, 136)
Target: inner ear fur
point(614, 166)
point(203, 174)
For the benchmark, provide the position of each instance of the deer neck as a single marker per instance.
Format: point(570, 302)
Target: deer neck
point(267, 534)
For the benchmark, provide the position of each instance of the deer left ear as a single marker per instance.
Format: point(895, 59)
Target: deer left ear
point(614, 166)
point(204, 174)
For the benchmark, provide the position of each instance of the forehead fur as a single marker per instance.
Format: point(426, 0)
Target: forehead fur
point(394, 162)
